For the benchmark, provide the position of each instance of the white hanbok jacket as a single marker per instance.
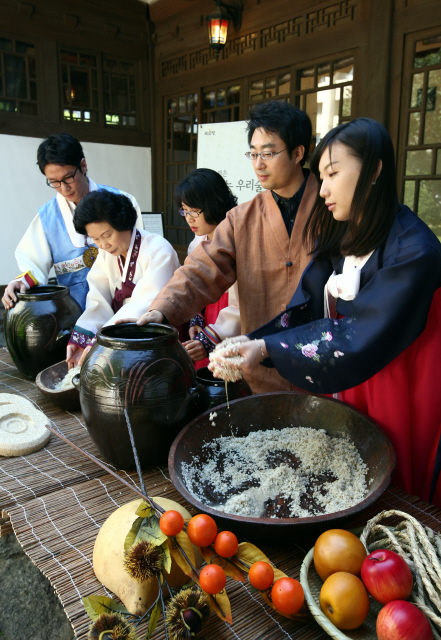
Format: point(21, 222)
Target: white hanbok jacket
point(153, 267)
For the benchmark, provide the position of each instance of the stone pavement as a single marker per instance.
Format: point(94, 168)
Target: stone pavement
point(29, 606)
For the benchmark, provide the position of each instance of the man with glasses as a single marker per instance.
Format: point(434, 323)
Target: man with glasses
point(259, 244)
point(51, 240)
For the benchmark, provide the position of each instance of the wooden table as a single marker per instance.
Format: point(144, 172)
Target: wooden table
point(57, 500)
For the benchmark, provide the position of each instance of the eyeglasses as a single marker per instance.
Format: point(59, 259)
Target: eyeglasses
point(56, 184)
point(193, 214)
point(265, 155)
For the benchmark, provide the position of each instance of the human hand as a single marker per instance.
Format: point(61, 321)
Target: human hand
point(196, 349)
point(9, 298)
point(84, 354)
point(236, 358)
point(73, 355)
point(147, 318)
point(193, 331)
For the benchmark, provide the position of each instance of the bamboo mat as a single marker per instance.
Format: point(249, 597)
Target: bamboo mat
point(58, 532)
point(54, 467)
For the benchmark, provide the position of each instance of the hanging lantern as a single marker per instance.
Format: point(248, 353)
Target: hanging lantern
point(218, 23)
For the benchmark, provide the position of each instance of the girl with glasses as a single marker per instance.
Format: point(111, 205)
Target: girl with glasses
point(203, 198)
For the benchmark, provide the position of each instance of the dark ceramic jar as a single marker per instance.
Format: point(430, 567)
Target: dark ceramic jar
point(214, 392)
point(38, 327)
point(146, 371)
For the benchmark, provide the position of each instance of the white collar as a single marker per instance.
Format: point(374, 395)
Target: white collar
point(67, 210)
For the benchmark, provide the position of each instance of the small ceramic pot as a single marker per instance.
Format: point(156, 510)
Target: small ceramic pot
point(38, 327)
point(214, 392)
point(146, 372)
point(47, 381)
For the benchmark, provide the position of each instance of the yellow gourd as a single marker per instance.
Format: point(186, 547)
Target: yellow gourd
point(108, 557)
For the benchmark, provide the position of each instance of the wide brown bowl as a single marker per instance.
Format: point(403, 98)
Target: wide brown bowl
point(276, 411)
point(46, 381)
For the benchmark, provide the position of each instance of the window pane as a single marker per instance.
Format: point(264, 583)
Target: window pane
point(438, 162)
point(119, 93)
point(6, 44)
point(88, 61)
point(15, 76)
point(33, 90)
point(110, 65)
point(417, 88)
point(256, 90)
point(343, 71)
point(270, 88)
point(409, 193)
point(79, 91)
point(233, 94)
point(429, 204)
point(24, 48)
point(284, 83)
point(7, 105)
point(192, 102)
point(323, 109)
point(69, 56)
point(414, 129)
point(208, 100)
point(419, 162)
point(427, 52)
point(305, 79)
point(171, 107)
point(347, 102)
point(171, 174)
point(31, 68)
point(221, 97)
point(127, 67)
point(432, 125)
point(182, 104)
point(323, 75)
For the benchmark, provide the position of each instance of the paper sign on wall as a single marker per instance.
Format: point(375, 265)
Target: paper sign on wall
point(153, 222)
point(221, 147)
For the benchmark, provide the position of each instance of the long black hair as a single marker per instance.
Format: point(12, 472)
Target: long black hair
point(373, 207)
point(105, 206)
point(206, 190)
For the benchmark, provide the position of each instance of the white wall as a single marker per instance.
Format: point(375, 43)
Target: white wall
point(23, 188)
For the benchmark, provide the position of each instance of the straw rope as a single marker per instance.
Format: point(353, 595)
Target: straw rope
point(420, 547)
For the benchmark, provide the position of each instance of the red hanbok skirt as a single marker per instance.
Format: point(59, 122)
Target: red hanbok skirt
point(404, 399)
point(211, 314)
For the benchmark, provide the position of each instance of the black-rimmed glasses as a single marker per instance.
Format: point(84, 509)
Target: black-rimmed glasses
point(193, 214)
point(265, 155)
point(56, 184)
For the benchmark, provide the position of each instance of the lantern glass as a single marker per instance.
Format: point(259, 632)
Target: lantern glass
point(218, 30)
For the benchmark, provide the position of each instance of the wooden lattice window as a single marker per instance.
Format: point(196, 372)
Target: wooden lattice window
point(274, 86)
point(79, 73)
point(221, 104)
point(119, 81)
point(18, 77)
point(181, 122)
point(324, 91)
point(422, 165)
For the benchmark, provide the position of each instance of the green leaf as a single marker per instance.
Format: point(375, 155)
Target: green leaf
point(167, 557)
point(144, 510)
point(96, 605)
point(154, 617)
point(150, 530)
point(131, 536)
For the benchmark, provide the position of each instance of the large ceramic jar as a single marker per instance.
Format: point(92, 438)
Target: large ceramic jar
point(216, 391)
point(147, 372)
point(38, 327)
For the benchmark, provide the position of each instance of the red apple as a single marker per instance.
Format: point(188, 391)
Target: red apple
point(401, 620)
point(386, 576)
